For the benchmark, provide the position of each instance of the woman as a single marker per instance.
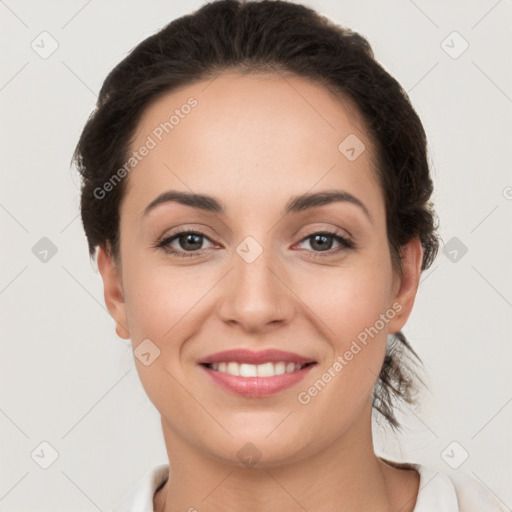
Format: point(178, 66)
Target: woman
point(257, 194)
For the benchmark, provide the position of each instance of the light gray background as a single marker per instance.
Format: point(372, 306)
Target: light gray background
point(68, 380)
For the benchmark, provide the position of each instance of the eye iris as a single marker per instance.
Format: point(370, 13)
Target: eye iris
point(323, 244)
point(194, 239)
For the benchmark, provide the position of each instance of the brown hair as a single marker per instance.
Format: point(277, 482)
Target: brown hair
point(269, 35)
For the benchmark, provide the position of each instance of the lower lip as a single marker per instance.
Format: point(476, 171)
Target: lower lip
point(256, 387)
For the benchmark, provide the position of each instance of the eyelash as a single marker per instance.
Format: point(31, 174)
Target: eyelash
point(344, 243)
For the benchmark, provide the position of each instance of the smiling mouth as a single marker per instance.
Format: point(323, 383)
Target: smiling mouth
point(269, 369)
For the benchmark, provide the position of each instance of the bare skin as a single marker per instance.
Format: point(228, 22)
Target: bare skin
point(253, 142)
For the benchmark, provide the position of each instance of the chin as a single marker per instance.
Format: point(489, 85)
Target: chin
point(259, 450)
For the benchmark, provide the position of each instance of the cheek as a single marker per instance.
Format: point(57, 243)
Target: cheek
point(352, 310)
point(162, 300)
point(350, 299)
point(354, 306)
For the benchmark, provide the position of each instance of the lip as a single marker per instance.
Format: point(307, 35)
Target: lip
point(241, 355)
point(256, 387)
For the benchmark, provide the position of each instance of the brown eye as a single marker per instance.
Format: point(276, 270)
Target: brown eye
point(186, 243)
point(323, 242)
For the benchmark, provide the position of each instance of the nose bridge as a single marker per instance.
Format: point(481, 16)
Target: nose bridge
point(255, 295)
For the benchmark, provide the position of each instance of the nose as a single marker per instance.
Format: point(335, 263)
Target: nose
point(257, 296)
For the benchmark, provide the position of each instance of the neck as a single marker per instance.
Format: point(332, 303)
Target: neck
point(346, 476)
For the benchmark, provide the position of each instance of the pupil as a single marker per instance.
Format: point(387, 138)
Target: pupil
point(190, 239)
point(322, 244)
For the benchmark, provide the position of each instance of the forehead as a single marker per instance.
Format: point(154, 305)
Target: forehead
point(250, 135)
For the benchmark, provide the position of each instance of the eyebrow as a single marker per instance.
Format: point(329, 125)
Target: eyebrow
point(296, 204)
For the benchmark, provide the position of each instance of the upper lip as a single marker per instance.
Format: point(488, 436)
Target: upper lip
point(240, 355)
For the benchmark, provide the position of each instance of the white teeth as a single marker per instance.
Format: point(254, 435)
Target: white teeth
point(253, 370)
point(279, 368)
point(248, 370)
point(265, 370)
point(233, 369)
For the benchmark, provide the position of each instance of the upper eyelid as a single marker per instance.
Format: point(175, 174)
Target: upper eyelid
point(173, 236)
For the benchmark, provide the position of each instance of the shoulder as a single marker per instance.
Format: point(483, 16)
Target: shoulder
point(473, 495)
point(453, 492)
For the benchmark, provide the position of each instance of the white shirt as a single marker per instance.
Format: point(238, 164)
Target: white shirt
point(438, 492)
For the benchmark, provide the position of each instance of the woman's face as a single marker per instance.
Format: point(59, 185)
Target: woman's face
point(256, 280)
